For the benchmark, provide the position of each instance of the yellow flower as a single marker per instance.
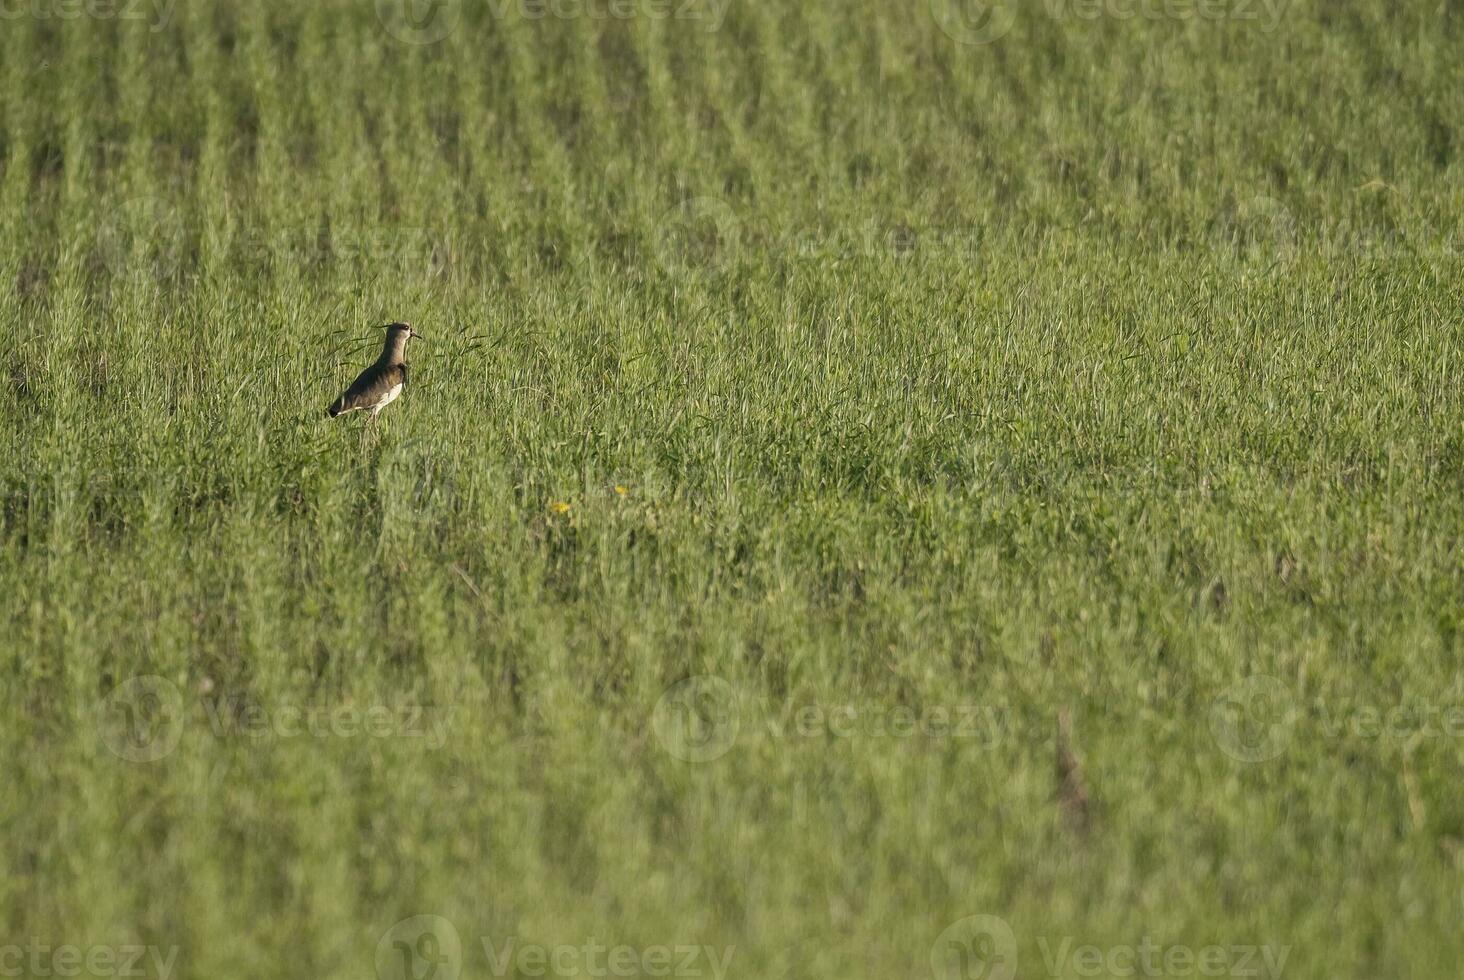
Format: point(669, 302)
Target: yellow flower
point(620, 490)
point(559, 507)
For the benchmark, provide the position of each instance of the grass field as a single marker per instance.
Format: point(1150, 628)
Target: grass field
point(885, 491)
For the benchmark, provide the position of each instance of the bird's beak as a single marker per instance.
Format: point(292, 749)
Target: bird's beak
point(416, 335)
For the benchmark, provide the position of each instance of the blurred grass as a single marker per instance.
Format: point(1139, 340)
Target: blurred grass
point(1100, 368)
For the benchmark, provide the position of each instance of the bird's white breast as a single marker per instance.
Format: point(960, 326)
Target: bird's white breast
point(389, 397)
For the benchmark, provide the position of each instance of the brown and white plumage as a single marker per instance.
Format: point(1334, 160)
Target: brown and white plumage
point(381, 383)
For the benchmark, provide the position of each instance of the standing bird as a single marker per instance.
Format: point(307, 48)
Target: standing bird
point(380, 384)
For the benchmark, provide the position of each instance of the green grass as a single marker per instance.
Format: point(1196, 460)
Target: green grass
point(905, 395)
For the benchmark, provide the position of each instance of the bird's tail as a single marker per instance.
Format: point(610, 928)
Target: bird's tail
point(336, 407)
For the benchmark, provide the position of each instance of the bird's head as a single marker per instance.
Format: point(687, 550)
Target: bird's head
point(401, 332)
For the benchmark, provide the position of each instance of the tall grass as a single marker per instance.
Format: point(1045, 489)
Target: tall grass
point(813, 408)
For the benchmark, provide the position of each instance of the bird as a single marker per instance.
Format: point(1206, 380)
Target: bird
point(380, 384)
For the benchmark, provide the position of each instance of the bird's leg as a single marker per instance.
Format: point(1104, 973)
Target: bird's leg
point(367, 430)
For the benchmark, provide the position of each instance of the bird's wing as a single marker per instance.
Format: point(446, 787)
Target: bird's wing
point(371, 387)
